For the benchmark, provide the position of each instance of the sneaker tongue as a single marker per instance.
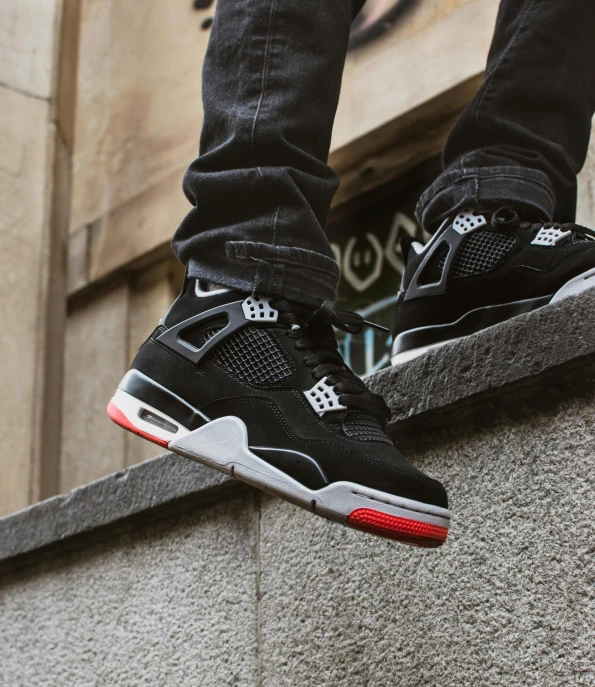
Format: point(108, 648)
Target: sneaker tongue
point(507, 214)
point(505, 218)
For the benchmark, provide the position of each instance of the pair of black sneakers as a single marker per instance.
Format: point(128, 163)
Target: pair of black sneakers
point(256, 388)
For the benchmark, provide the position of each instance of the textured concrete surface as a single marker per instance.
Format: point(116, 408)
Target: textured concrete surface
point(253, 591)
point(508, 601)
point(139, 490)
point(477, 366)
point(173, 605)
point(517, 351)
point(95, 347)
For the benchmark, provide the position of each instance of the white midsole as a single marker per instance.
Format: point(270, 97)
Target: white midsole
point(575, 286)
point(223, 444)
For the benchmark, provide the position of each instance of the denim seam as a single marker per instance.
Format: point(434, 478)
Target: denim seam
point(263, 89)
point(465, 189)
point(262, 268)
point(274, 241)
point(490, 80)
point(477, 178)
point(470, 173)
point(520, 178)
point(298, 264)
point(232, 245)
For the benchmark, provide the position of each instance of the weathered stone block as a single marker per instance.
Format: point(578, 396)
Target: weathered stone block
point(517, 351)
point(508, 600)
point(95, 359)
point(254, 591)
point(171, 604)
point(27, 45)
point(25, 142)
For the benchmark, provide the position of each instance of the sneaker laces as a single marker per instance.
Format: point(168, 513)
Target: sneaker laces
point(535, 227)
point(507, 217)
point(313, 332)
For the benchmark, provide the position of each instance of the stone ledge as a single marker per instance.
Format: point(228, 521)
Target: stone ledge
point(519, 351)
point(151, 488)
point(486, 364)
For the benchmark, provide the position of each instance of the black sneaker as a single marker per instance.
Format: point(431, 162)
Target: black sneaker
point(256, 388)
point(483, 268)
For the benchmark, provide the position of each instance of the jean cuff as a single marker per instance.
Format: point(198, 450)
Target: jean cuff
point(486, 187)
point(286, 272)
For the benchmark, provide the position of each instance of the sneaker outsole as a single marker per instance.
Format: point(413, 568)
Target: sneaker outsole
point(583, 282)
point(223, 445)
point(402, 529)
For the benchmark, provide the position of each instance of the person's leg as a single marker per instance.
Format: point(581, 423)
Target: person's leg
point(524, 137)
point(261, 186)
point(510, 168)
point(248, 379)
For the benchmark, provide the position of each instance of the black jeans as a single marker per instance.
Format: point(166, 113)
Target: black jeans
point(262, 188)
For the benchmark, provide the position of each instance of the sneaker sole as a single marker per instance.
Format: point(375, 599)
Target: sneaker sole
point(222, 444)
point(416, 342)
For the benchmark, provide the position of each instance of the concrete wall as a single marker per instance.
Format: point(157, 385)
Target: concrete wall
point(28, 45)
point(93, 158)
point(173, 604)
point(243, 589)
point(508, 600)
point(163, 574)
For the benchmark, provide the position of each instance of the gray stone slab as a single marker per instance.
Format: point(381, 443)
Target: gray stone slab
point(517, 351)
point(147, 488)
point(173, 604)
point(508, 600)
point(521, 351)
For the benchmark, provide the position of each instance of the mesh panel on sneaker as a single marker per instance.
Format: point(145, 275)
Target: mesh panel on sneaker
point(210, 333)
point(254, 356)
point(363, 427)
point(480, 252)
point(199, 334)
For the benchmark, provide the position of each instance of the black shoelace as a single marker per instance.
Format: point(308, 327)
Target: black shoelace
point(508, 218)
point(313, 332)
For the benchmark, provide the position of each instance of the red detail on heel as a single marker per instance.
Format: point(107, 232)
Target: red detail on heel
point(401, 529)
point(117, 416)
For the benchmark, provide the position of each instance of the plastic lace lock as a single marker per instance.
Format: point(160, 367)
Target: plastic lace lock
point(549, 237)
point(258, 309)
point(322, 398)
point(467, 221)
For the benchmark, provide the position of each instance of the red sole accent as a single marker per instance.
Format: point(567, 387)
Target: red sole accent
point(401, 529)
point(117, 416)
